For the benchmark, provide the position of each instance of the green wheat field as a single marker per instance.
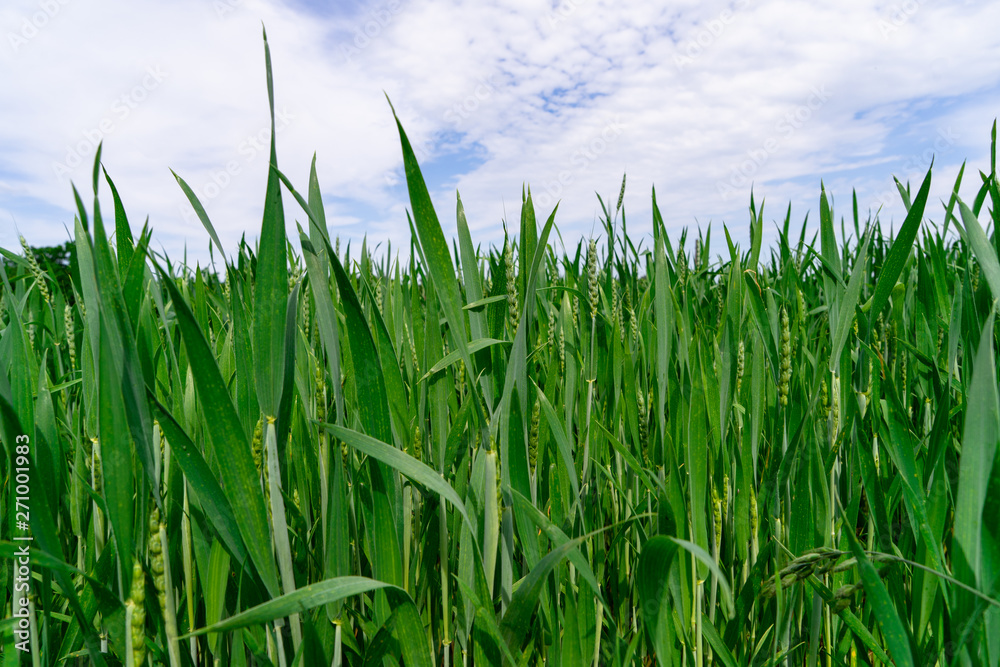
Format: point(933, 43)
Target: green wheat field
point(681, 452)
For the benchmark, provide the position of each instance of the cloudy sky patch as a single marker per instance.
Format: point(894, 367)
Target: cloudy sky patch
point(704, 100)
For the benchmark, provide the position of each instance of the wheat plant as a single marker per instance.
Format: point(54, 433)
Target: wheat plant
point(507, 456)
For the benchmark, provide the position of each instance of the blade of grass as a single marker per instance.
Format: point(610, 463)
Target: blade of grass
point(981, 247)
point(651, 579)
point(435, 252)
point(271, 284)
point(300, 601)
point(404, 463)
point(228, 440)
point(979, 446)
point(845, 316)
point(900, 250)
point(198, 474)
point(884, 611)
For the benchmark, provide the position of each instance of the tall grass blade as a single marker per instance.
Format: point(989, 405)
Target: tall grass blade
point(973, 563)
point(985, 253)
point(199, 475)
point(892, 628)
point(404, 463)
point(302, 600)
point(652, 580)
point(900, 250)
point(850, 299)
point(228, 440)
point(271, 285)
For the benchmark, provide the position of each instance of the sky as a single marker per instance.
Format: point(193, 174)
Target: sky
point(703, 100)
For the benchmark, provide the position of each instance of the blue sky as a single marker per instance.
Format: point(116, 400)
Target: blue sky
point(704, 100)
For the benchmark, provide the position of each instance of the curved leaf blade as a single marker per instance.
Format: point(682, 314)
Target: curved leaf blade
point(226, 435)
